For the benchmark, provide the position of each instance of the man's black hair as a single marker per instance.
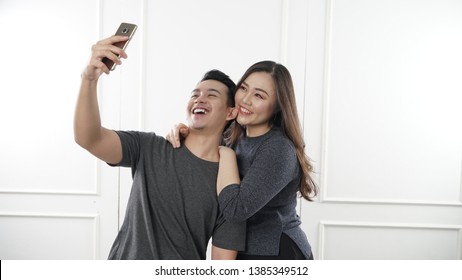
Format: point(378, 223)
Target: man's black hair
point(219, 76)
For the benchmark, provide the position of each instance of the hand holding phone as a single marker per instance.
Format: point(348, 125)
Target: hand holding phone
point(125, 29)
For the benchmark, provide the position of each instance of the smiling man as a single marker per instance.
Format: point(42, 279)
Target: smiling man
point(172, 211)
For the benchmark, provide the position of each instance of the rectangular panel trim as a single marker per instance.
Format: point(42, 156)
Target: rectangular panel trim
point(48, 215)
point(94, 217)
point(142, 79)
point(323, 197)
point(325, 224)
point(95, 190)
point(400, 202)
point(284, 30)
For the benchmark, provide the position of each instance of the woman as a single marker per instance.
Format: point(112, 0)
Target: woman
point(271, 163)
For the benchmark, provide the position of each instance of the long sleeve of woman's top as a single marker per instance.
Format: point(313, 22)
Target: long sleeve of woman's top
point(267, 164)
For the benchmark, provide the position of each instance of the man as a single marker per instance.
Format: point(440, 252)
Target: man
point(172, 210)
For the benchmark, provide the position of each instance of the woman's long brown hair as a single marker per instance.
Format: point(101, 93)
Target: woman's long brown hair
point(286, 117)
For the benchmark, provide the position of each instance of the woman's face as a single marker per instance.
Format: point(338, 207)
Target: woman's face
point(256, 102)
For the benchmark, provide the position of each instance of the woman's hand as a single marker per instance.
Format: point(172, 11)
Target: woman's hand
point(103, 49)
point(178, 130)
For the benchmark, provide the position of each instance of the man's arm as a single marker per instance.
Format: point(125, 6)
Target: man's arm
point(223, 254)
point(101, 142)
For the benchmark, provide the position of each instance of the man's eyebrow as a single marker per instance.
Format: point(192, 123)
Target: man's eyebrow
point(213, 90)
point(207, 90)
point(257, 89)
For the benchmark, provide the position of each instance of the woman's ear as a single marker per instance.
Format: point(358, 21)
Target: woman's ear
point(232, 113)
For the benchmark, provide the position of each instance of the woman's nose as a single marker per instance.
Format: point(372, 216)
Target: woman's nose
point(246, 99)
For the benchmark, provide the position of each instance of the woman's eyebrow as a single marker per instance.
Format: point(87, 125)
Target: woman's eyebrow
point(258, 89)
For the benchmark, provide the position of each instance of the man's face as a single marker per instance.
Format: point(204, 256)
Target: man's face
point(207, 107)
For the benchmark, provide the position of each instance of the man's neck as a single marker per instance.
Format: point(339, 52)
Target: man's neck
point(204, 146)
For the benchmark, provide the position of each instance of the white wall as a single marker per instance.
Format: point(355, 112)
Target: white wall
point(383, 120)
point(56, 202)
point(378, 88)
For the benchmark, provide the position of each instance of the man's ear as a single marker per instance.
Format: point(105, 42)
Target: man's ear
point(232, 113)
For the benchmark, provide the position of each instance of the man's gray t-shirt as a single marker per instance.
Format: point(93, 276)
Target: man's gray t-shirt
point(173, 210)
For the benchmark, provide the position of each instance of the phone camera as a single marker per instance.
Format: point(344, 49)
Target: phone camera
point(125, 30)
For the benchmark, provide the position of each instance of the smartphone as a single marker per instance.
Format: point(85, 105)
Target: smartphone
point(125, 29)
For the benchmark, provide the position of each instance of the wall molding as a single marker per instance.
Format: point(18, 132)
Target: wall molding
point(325, 101)
point(143, 76)
point(94, 217)
point(48, 215)
point(325, 224)
point(94, 191)
point(324, 199)
point(326, 95)
point(284, 31)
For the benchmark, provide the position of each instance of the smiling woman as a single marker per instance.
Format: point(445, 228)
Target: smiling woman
point(260, 185)
point(257, 100)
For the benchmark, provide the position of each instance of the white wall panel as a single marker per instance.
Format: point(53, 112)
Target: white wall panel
point(343, 241)
point(51, 237)
point(37, 99)
point(382, 120)
point(45, 176)
point(293, 48)
point(187, 38)
point(392, 102)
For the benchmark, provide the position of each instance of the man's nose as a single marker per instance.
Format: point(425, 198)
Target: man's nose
point(200, 98)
